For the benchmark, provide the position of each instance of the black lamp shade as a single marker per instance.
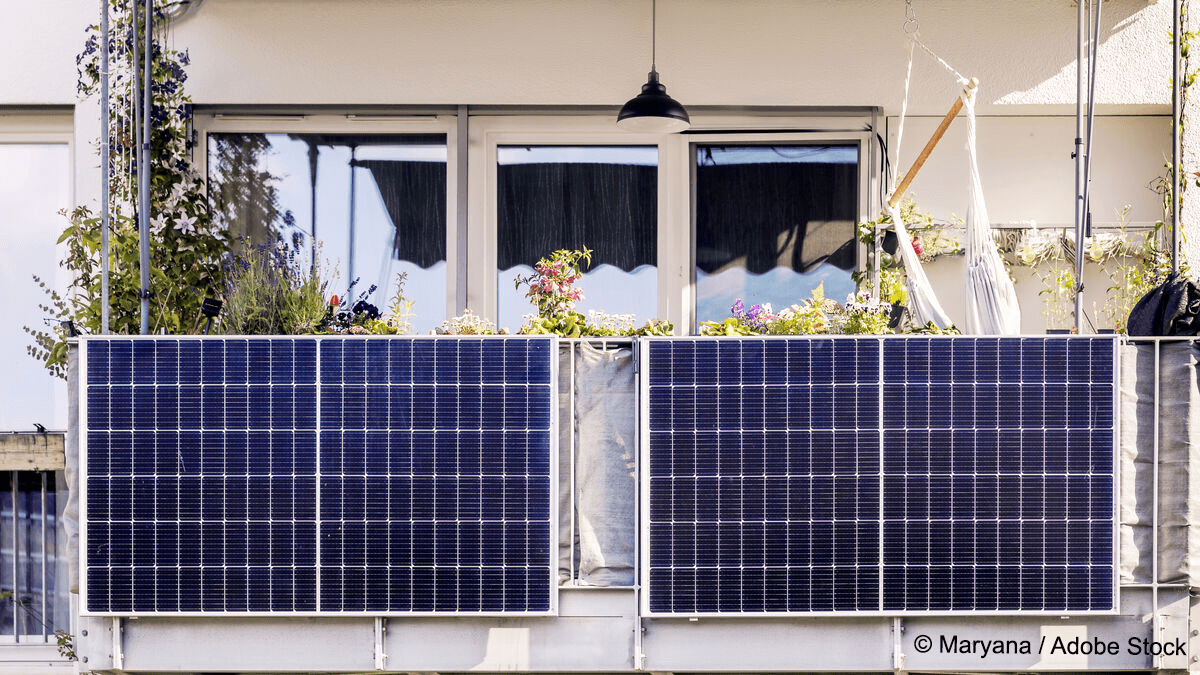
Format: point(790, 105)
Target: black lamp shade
point(652, 111)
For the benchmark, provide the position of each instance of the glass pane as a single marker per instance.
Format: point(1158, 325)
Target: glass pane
point(772, 223)
point(601, 197)
point(36, 187)
point(36, 601)
point(375, 203)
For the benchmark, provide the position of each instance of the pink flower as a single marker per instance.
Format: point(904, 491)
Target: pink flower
point(916, 242)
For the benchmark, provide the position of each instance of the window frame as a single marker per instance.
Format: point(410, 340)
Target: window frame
point(473, 136)
point(206, 123)
point(861, 140)
point(488, 134)
point(53, 126)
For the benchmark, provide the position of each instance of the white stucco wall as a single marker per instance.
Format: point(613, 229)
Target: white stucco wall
point(710, 52)
point(596, 52)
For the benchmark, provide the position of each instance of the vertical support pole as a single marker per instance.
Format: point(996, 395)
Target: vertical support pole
point(1080, 95)
point(462, 155)
point(873, 252)
point(897, 644)
point(45, 590)
point(350, 238)
point(314, 154)
point(135, 22)
point(105, 167)
point(380, 654)
point(118, 643)
point(571, 450)
point(144, 174)
point(1154, 495)
point(16, 557)
point(641, 519)
point(1176, 121)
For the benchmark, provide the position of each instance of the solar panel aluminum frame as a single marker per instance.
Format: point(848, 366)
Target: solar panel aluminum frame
point(551, 557)
point(645, 587)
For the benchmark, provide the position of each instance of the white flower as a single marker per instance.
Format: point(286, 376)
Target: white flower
point(186, 224)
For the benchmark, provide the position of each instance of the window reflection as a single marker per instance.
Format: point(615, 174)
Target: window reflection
point(569, 197)
point(772, 223)
point(376, 205)
point(36, 179)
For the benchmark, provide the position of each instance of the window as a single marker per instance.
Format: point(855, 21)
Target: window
point(32, 560)
point(773, 222)
point(571, 197)
point(370, 205)
point(680, 225)
point(35, 168)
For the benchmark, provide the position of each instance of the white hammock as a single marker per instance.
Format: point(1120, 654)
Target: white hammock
point(992, 307)
point(923, 302)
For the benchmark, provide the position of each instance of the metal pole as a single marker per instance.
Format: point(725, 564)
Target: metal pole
point(1080, 95)
point(45, 592)
point(350, 243)
point(1154, 492)
point(463, 203)
point(314, 155)
point(16, 556)
point(1176, 121)
point(135, 87)
point(1091, 121)
point(105, 168)
point(144, 177)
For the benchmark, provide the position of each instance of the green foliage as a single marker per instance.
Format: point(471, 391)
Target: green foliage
point(551, 289)
point(932, 328)
point(730, 327)
point(807, 317)
point(357, 317)
point(185, 246)
point(929, 241)
point(1134, 275)
point(866, 316)
point(1058, 295)
point(66, 644)
point(269, 292)
point(400, 310)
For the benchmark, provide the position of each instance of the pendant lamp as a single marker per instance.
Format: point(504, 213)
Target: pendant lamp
point(652, 111)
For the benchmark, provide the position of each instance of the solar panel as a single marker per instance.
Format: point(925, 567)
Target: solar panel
point(315, 475)
point(898, 475)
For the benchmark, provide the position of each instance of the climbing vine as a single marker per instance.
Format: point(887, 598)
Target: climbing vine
point(185, 246)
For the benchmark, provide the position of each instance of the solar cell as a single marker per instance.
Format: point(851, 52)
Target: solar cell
point(314, 475)
point(899, 475)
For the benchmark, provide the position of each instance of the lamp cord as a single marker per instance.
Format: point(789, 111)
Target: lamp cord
point(653, 34)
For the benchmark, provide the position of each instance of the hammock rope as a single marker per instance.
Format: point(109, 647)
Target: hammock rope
point(992, 307)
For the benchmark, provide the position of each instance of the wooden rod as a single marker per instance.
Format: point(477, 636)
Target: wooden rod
point(933, 141)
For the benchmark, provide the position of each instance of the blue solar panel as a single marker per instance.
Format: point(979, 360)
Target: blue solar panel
point(307, 475)
point(886, 475)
